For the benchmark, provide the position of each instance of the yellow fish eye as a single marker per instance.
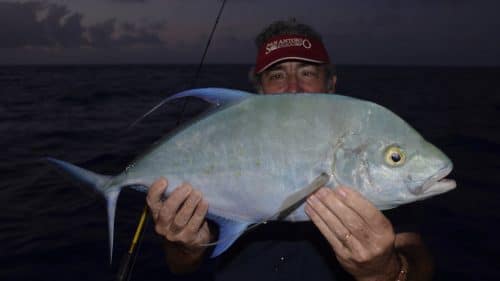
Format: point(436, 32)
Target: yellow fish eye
point(394, 156)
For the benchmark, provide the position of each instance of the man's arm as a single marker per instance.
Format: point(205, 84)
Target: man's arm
point(363, 238)
point(180, 220)
point(420, 262)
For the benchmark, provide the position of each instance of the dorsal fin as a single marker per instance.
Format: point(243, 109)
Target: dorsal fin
point(215, 96)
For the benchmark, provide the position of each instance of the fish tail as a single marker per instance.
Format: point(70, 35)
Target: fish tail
point(101, 183)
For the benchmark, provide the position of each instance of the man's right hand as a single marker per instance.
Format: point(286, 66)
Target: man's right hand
point(180, 219)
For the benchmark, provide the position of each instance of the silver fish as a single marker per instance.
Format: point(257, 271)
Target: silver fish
point(254, 158)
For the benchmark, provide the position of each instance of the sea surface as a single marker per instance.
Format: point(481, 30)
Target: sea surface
point(53, 229)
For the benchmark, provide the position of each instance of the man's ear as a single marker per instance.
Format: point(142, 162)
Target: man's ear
point(332, 84)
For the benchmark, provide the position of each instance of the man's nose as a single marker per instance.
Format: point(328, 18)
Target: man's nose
point(292, 85)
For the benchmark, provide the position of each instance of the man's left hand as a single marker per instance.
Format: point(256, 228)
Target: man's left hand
point(361, 236)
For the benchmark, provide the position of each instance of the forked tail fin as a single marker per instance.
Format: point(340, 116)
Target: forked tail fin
point(102, 183)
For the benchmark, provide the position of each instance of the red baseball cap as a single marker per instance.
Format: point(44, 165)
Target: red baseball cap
point(290, 47)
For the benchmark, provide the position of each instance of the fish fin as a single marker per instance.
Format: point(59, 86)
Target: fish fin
point(296, 199)
point(229, 232)
point(100, 183)
point(293, 201)
point(215, 96)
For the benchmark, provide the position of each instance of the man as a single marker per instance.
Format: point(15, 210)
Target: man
point(353, 235)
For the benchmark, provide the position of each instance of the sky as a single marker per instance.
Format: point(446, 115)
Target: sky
point(382, 32)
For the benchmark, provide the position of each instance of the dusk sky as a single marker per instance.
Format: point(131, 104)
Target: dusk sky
point(415, 32)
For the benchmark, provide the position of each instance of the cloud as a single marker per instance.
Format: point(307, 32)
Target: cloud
point(20, 26)
point(145, 34)
point(100, 34)
point(44, 25)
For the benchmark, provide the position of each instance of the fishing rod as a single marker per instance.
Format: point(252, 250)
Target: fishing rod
point(198, 70)
point(127, 265)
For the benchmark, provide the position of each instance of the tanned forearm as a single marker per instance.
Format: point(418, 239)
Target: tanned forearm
point(420, 262)
point(180, 260)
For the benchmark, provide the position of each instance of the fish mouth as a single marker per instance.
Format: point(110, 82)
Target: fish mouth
point(438, 183)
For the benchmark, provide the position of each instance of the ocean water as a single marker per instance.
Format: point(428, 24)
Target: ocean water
point(52, 229)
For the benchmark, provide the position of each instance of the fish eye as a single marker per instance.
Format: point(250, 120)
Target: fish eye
point(394, 156)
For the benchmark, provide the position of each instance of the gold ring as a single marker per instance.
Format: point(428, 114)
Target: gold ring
point(347, 236)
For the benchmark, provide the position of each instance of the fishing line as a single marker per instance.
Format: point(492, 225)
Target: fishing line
point(128, 263)
point(198, 70)
point(193, 82)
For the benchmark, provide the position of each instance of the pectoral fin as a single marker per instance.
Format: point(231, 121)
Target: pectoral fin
point(229, 232)
point(296, 199)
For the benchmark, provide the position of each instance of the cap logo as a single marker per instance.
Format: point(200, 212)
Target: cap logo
point(290, 47)
point(288, 42)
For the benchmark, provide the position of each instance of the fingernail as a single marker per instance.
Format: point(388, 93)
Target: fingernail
point(307, 208)
point(322, 192)
point(196, 195)
point(185, 188)
point(341, 192)
point(312, 199)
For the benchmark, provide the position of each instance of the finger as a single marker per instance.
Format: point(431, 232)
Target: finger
point(334, 200)
point(171, 206)
point(186, 211)
point(199, 225)
point(332, 237)
point(198, 218)
point(153, 198)
point(203, 236)
point(341, 219)
point(366, 242)
point(371, 216)
point(336, 227)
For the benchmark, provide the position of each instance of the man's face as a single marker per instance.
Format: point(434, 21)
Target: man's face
point(296, 77)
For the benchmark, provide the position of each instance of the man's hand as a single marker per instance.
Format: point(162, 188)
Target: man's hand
point(180, 219)
point(361, 236)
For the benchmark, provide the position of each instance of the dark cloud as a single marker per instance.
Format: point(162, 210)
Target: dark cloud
point(20, 26)
point(383, 32)
point(43, 25)
point(100, 34)
point(62, 28)
point(135, 35)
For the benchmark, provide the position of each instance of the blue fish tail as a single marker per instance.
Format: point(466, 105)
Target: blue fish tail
point(101, 183)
